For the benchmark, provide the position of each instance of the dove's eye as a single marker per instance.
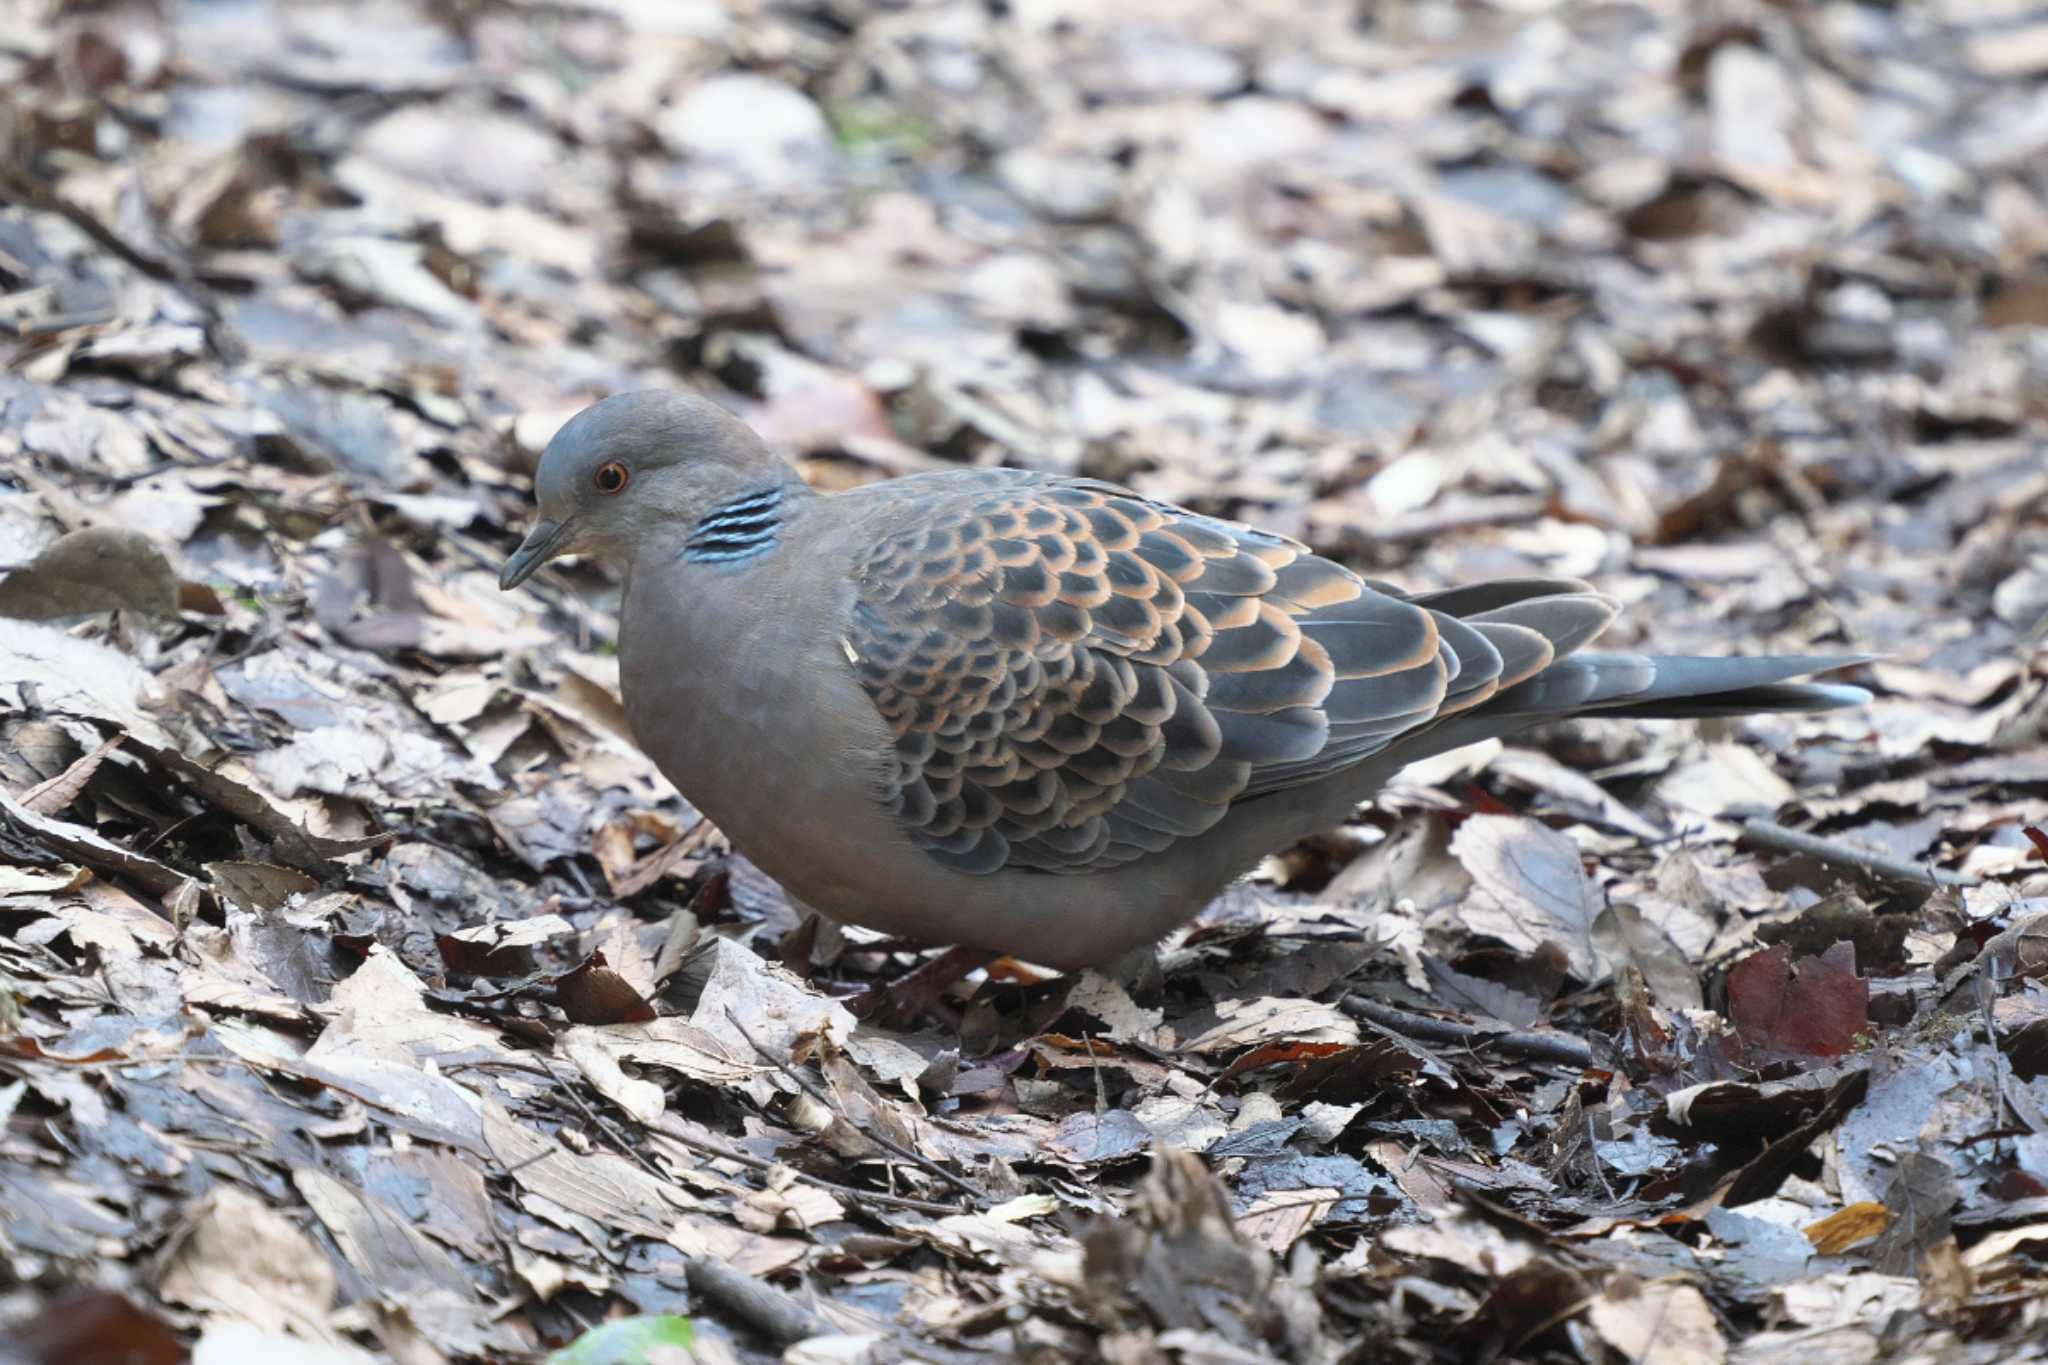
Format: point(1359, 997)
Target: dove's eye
point(611, 478)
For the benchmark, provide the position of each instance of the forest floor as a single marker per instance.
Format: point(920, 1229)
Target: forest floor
point(365, 995)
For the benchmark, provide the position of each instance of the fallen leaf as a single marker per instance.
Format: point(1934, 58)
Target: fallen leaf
point(1818, 1007)
point(1535, 888)
point(1091, 1139)
point(97, 568)
point(1663, 1322)
point(1248, 1023)
point(1726, 780)
point(1920, 1201)
point(1847, 1226)
point(237, 1258)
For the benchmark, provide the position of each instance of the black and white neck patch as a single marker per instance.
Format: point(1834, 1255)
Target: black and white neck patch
point(738, 529)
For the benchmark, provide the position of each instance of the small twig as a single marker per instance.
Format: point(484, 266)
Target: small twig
point(1095, 1065)
point(1765, 834)
point(1308, 1201)
point(543, 1155)
point(669, 1128)
point(1543, 1047)
point(220, 334)
point(882, 1140)
point(1593, 1156)
point(167, 831)
point(2001, 1103)
point(760, 1305)
point(17, 1061)
point(605, 1126)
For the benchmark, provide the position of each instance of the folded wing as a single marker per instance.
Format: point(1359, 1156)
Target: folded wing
point(1075, 676)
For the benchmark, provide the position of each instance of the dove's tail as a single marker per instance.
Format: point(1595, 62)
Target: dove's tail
point(1577, 682)
point(1676, 687)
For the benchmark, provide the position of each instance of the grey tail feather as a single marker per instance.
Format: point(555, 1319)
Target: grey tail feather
point(1749, 701)
point(1643, 686)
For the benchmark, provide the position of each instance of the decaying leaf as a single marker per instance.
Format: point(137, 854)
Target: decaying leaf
point(1847, 1226)
point(1534, 887)
point(98, 568)
point(1817, 1007)
point(1663, 1322)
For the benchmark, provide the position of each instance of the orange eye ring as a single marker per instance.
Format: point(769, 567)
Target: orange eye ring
point(611, 478)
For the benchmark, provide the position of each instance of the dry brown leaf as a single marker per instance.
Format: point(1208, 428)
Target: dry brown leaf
point(235, 1257)
point(1725, 781)
point(47, 798)
point(98, 568)
point(1535, 888)
point(1278, 1219)
point(1662, 1322)
point(1248, 1023)
point(41, 881)
point(1740, 334)
point(104, 856)
point(1847, 1226)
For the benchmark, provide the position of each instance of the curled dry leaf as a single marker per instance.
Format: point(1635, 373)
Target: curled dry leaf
point(592, 992)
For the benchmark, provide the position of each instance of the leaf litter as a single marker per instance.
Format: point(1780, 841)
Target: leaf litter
point(365, 995)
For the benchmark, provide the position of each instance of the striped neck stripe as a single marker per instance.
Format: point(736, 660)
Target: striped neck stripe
point(737, 529)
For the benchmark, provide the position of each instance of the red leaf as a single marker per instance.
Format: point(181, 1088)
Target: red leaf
point(592, 993)
point(1484, 802)
point(1814, 1009)
point(1271, 1053)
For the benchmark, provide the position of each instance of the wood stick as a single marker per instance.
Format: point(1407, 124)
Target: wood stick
point(1836, 853)
point(1541, 1047)
point(758, 1304)
point(882, 1140)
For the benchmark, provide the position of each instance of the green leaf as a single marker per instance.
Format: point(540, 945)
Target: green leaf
point(626, 1341)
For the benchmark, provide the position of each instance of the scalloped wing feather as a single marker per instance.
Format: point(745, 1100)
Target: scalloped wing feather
point(1075, 676)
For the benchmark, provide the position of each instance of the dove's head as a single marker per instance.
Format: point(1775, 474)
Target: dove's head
point(639, 464)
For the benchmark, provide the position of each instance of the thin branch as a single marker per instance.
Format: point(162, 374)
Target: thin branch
point(31, 190)
point(604, 1125)
point(882, 1140)
point(670, 1127)
point(1765, 834)
point(1463, 515)
point(760, 1305)
point(1543, 1047)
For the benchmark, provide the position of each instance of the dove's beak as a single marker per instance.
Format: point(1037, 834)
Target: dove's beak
point(542, 543)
